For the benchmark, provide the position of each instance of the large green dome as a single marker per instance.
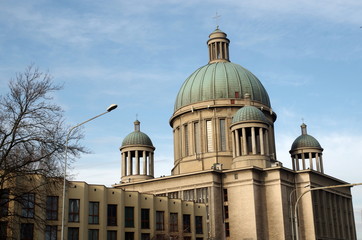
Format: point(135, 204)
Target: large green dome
point(221, 80)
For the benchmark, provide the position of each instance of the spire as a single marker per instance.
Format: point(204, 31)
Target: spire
point(218, 45)
point(137, 127)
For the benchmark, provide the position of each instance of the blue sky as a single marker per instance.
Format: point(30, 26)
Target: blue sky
point(308, 55)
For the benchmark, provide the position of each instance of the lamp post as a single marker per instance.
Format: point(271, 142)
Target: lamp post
point(313, 189)
point(109, 109)
point(291, 208)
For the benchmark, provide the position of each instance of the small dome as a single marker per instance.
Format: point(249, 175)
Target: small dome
point(137, 137)
point(305, 140)
point(221, 80)
point(249, 113)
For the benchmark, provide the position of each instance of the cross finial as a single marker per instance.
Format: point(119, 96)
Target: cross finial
point(136, 116)
point(217, 17)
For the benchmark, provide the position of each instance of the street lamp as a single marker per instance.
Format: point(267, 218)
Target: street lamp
point(313, 189)
point(109, 109)
point(291, 208)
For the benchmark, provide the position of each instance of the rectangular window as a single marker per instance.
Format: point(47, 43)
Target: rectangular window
point(52, 207)
point(186, 219)
point(197, 138)
point(209, 136)
point(145, 218)
point(4, 202)
point(189, 195)
point(73, 233)
point(3, 230)
point(226, 211)
point(112, 215)
point(173, 222)
point(222, 135)
point(28, 205)
point(129, 217)
point(202, 195)
point(172, 195)
point(111, 235)
point(93, 213)
point(129, 236)
point(74, 210)
point(26, 231)
point(145, 236)
point(160, 220)
point(187, 238)
point(186, 136)
point(51, 232)
point(227, 229)
point(225, 195)
point(93, 234)
point(198, 224)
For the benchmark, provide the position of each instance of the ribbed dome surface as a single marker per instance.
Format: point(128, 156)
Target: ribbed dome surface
point(305, 141)
point(137, 138)
point(249, 113)
point(220, 80)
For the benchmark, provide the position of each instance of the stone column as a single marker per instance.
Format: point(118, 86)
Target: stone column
point(253, 140)
point(130, 172)
point(310, 161)
point(303, 161)
point(237, 138)
point(261, 136)
point(137, 158)
point(245, 150)
point(151, 163)
point(297, 162)
point(144, 158)
point(124, 164)
point(321, 162)
point(293, 162)
point(267, 142)
point(233, 143)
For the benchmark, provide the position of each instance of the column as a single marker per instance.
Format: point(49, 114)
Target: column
point(317, 162)
point(233, 143)
point(321, 162)
point(237, 138)
point(144, 163)
point(267, 142)
point(130, 172)
point(151, 163)
point(293, 162)
point(124, 164)
point(261, 136)
point(137, 163)
point(303, 161)
point(297, 162)
point(310, 161)
point(245, 150)
point(253, 140)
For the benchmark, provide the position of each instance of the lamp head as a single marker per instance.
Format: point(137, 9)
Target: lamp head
point(112, 107)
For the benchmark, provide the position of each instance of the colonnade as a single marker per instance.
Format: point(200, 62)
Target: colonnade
point(137, 162)
point(299, 161)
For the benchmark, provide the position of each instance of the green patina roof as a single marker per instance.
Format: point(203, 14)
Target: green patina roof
point(137, 138)
point(249, 113)
point(220, 80)
point(305, 141)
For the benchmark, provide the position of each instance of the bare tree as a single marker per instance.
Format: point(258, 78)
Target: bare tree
point(32, 144)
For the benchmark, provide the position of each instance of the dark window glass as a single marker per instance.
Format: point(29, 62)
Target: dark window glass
point(226, 210)
point(4, 202)
point(74, 210)
point(129, 217)
point(173, 222)
point(111, 235)
point(227, 229)
point(145, 218)
point(160, 220)
point(26, 231)
point(93, 211)
point(112, 215)
point(128, 236)
point(225, 195)
point(145, 236)
point(186, 223)
point(187, 238)
point(52, 208)
point(3, 230)
point(50, 232)
point(198, 223)
point(28, 205)
point(73, 233)
point(93, 234)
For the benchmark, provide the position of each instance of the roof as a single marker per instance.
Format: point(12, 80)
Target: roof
point(249, 113)
point(137, 137)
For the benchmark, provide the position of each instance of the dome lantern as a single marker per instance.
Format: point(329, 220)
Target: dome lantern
point(218, 45)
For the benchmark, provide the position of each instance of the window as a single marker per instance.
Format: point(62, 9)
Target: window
point(173, 222)
point(52, 208)
point(50, 232)
point(202, 195)
point(3, 230)
point(4, 202)
point(112, 215)
point(160, 217)
point(93, 234)
point(198, 222)
point(128, 217)
point(26, 231)
point(189, 195)
point(186, 223)
point(186, 136)
point(227, 229)
point(111, 235)
point(172, 195)
point(73, 210)
point(93, 211)
point(145, 236)
point(28, 202)
point(225, 195)
point(226, 211)
point(145, 218)
point(197, 138)
point(128, 236)
point(209, 136)
point(187, 238)
point(73, 233)
point(222, 135)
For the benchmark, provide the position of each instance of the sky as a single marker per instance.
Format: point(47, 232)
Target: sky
point(137, 54)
